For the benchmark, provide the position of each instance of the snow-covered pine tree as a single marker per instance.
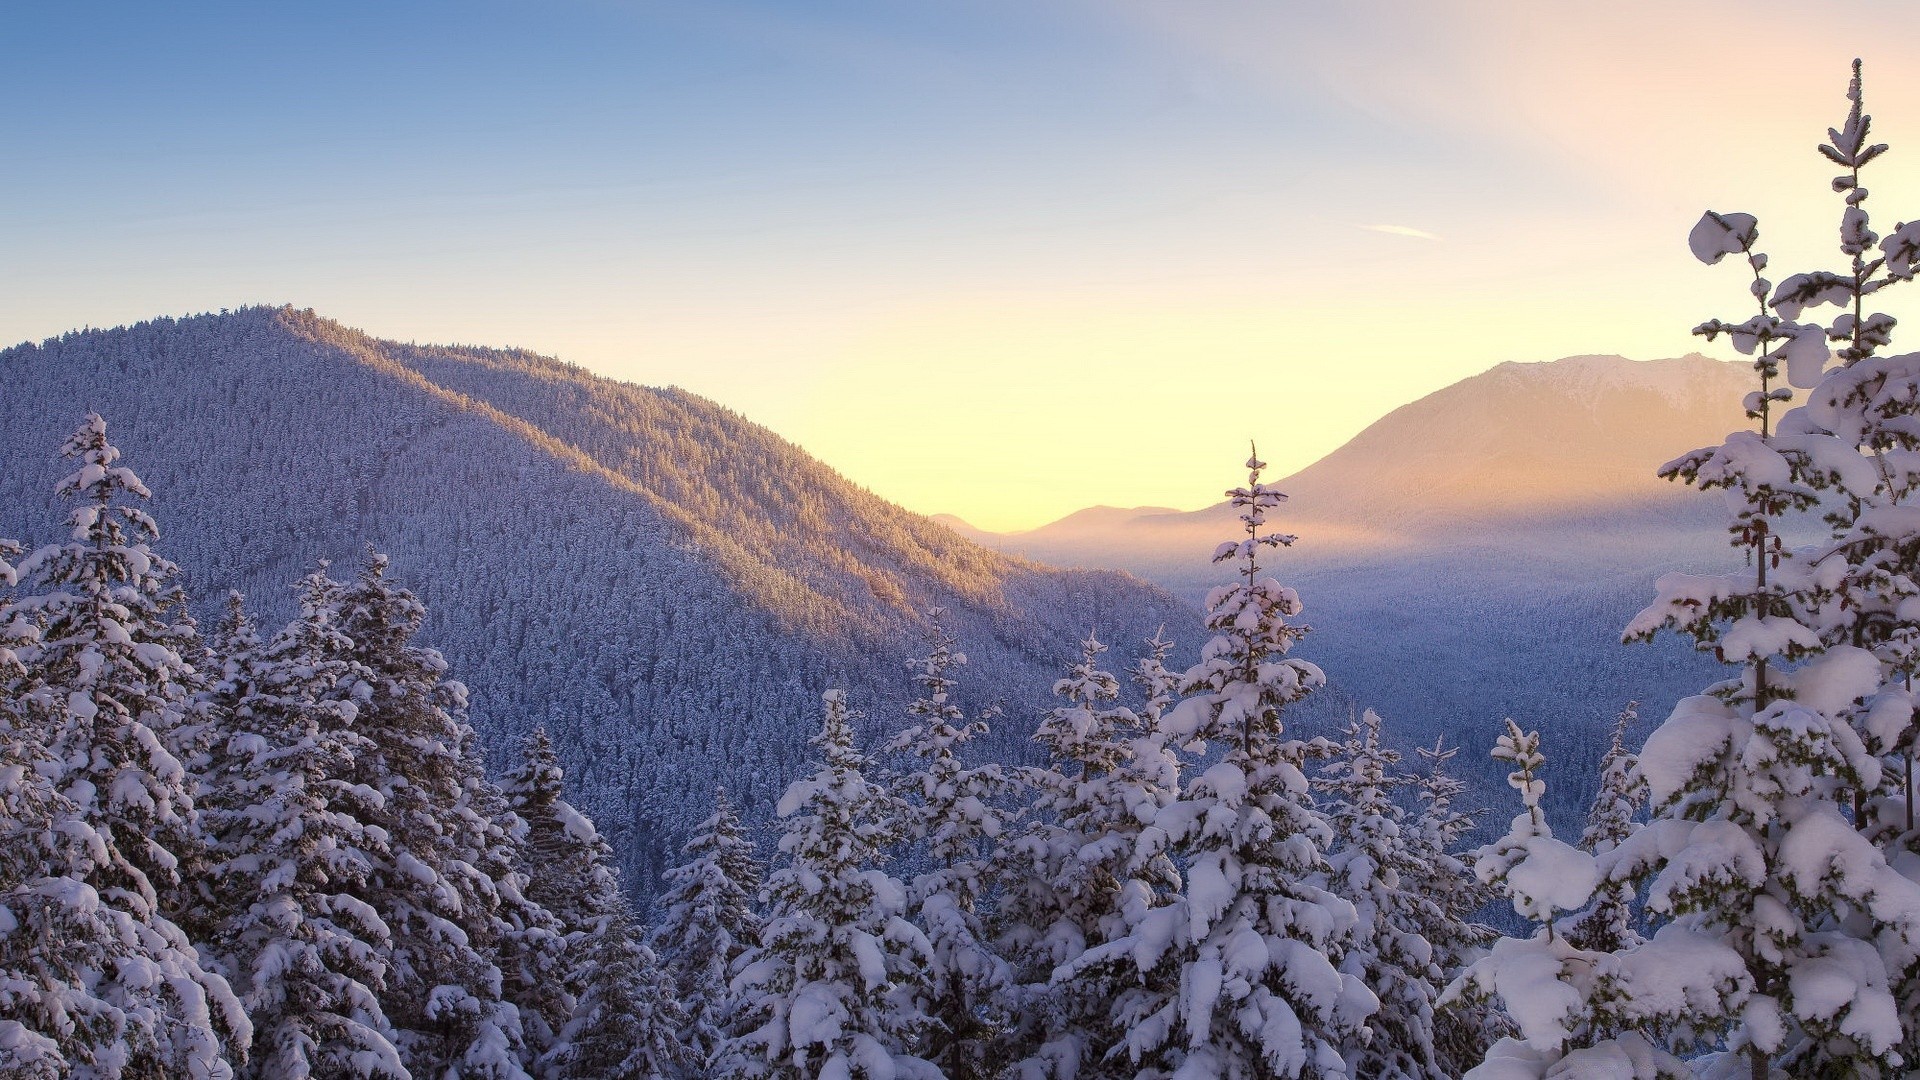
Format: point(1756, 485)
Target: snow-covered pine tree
point(562, 892)
point(437, 890)
point(951, 814)
point(1441, 871)
point(1859, 426)
point(1085, 862)
point(707, 923)
point(1756, 787)
point(1607, 924)
point(1575, 1013)
point(627, 1024)
point(98, 688)
point(307, 954)
point(834, 988)
point(1373, 864)
point(1239, 977)
point(88, 988)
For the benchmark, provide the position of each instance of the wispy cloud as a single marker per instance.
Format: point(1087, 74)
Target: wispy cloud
point(1402, 230)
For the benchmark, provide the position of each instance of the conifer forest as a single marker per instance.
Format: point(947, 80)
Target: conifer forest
point(260, 835)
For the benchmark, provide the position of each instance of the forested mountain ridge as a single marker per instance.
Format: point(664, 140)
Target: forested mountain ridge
point(1476, 553)
point(665, 586)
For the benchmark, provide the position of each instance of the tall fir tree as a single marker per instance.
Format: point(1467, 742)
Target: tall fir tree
point(835, 987)
point(307, 954)
point(1084, 865)
point(707, 924)
point(435, 888)
point(1607, 924)
point(951, 813)
point(98, 688)
point(1757, 787)
point(1374, 865)
point(1578, 1012)
point(557, 888)
point(1239, 977)
point(627, 1025)
point(1441, 872)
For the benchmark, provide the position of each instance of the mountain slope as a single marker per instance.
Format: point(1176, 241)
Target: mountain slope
point(1474, 554)
point(667, 587)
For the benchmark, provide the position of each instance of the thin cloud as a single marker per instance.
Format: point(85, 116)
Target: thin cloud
point(1402, 230)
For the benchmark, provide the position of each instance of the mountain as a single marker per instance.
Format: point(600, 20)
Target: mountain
point(665, 586)
point(1474, 554)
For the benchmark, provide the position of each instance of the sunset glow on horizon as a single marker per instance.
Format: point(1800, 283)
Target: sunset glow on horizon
point(998, 260)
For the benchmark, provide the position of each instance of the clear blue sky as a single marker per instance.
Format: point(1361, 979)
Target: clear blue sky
point(953, 248)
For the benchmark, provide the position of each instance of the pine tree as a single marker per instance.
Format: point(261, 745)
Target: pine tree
point(1374, 865)
point(1577, 1012)
point(834, 988)
point(1085, 862)
point(557, 895)
point(1756, 788)
point(950, 810)
point(708, 922)
point(438, 889)
point(627, 1025)
point(1439, 872)
point(1239, 977)
point(307, 953)
point(97, 687)
point(1606, 925)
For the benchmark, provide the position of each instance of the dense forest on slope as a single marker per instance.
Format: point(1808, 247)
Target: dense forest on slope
point(665, 586)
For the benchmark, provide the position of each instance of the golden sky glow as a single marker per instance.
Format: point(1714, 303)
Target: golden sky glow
point(1000, 260)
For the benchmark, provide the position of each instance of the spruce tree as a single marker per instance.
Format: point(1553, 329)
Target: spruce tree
point(834, 988)
point(557, 887)
point(437, 889)
point(97, 688)
point(308, 955)
point(1578, 1012)
point(1084, 863)
point(1374, 864)
point(1239, 977)
point(1441, 872)
point(951, 813)
point(1607, 924)
point(1757, 787)
point(707, 923)
point(627, 1024)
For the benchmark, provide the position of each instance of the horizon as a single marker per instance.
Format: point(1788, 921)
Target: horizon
point(949, 252)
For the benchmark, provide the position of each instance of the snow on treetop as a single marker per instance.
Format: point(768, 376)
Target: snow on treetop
point(1716, 235)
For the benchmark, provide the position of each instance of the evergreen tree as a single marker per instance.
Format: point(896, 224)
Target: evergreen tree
point(1757, 787)
point(1239, 978)
point(97, 687)
point(1085, 862)
point(627, 1025)
point(1607, 923)
point(1577, 1012)
point(951, 811)
point(558, 890)
point(1438, 871)
point(1373, 865)
point(834, 988)
point(437, 889)
point(708, 923)
point(307, 953)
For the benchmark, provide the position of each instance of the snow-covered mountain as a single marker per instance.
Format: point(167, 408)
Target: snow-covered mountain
point(664, 585)
point(1475, 553)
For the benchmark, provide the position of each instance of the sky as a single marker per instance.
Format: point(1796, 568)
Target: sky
point(997, 258)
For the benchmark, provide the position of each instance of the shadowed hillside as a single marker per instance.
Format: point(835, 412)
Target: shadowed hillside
point(664, 585)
